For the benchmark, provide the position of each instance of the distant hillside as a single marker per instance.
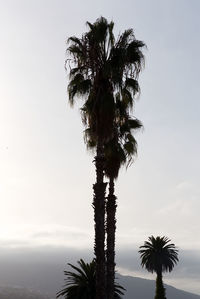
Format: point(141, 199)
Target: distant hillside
point(20, 293)
point(139, 288)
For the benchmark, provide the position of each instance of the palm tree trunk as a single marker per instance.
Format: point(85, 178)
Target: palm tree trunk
point(160, 290)
point(99, 218)
point(110, 229)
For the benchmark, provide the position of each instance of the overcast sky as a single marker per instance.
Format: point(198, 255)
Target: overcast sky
point(46, 173)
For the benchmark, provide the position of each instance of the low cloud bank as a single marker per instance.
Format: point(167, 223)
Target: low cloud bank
point(41, 268)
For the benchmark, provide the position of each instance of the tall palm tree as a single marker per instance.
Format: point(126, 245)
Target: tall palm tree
point(118, 152)
point(81, 283)
point(158, 255)
point(102, 69)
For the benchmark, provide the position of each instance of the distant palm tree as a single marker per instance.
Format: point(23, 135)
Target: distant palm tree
point(102, 70)
point(158, 255)
point(80, 284)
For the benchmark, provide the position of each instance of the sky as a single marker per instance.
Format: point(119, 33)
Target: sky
point(46, 173)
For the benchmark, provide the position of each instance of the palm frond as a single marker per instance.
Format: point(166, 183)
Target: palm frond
point(100, 67)
point(80, 283)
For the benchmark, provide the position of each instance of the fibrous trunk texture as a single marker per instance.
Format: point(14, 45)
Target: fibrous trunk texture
point(160, 290)
point(110, 229)
point(99, 219)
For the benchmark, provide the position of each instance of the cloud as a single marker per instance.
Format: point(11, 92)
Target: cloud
point(51, 235)
point(60, 233)
point(185, 199)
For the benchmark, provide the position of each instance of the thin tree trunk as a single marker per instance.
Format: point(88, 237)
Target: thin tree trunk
point(110, 229)
point(160, 290)
point(99, 219)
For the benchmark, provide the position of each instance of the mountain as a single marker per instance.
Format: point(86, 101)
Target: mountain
point(139, 288)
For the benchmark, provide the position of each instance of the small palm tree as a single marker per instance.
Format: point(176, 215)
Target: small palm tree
point(80, 284)
point(158, 255)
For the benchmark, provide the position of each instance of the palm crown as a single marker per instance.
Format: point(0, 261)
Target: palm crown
point(103, 70)
point(121, 148)
point(80, 283)
point(158, 255)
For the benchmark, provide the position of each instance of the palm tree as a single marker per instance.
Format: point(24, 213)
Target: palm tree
point(158, 255)
point(118, 152)
point(101, 70)
point(80, 283)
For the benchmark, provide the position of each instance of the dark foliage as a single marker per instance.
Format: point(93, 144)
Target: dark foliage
point(104, 71)
point(158, 255)
point(80, 283)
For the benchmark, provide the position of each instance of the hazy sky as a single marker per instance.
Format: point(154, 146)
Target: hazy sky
point(46, 174)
